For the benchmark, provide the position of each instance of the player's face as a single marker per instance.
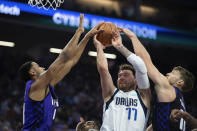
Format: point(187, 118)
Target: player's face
point(126, 80)
point(37, 68)
point(173, 76)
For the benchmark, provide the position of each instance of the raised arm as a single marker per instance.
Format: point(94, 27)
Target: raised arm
point(139, 66)
point(136, 61)
point(83, 42)
point(139, 49)
point(64, 58)
point(77, 50)
point(105, 77)
point(161, 83)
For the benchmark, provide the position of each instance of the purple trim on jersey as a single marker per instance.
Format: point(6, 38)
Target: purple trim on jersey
point(38, 115)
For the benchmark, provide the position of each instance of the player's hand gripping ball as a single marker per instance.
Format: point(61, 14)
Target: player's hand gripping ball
point(105, 37)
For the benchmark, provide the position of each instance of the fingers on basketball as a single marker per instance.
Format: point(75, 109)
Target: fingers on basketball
point(107, 35)
point(99, 31)
point(120, 29)
point(95, 40)
point(98, 25)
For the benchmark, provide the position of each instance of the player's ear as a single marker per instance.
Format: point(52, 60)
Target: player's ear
point(180, 83)
point(32, 72)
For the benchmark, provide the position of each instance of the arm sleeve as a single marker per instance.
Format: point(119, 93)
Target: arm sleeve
point(141, 71)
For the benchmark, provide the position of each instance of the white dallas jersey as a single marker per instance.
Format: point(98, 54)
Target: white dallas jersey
point(125, 111)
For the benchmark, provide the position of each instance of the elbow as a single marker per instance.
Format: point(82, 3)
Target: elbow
point(142, 56)
point(138, 53)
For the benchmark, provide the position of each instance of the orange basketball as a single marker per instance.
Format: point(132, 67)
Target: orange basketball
point(105, 37)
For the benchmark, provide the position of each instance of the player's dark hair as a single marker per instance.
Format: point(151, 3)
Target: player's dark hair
point(24, 71)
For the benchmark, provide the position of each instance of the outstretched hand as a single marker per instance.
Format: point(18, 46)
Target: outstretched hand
point(127, 32)
point(97, 43)
point(116, 39)
point(95, 30)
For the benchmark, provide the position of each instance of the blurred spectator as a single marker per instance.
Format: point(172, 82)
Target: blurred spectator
point(79, 93)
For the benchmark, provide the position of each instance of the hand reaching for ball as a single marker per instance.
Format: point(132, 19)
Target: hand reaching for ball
point(116, 39)
point(105, 37)
point(95, 30)
point(127, 32)
point(97, 43)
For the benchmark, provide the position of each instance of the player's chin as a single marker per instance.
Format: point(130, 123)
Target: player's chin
point(121, 87)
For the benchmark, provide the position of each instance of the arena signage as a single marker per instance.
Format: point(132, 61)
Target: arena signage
point(61, 18)
point(10, 10)
point(71, 19)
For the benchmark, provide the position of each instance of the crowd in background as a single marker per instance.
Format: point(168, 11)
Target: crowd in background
point(79, 93)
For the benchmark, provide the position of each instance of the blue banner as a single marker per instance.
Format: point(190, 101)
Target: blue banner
point(70, 18)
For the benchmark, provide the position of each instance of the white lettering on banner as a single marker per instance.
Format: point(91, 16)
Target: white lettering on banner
point(13, 10)
point(94, 22)
point(143, 32)
point(60, 19)
point(72, 20)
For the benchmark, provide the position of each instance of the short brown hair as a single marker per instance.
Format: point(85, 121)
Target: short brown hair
point(24, 71)
point(126, 67)
point(81, 126)
point(187, 77)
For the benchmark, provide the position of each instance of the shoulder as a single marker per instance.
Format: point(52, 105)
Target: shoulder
point(29, 84)
point(116, 91)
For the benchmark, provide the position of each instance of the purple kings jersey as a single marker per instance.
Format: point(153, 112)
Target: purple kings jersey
point(39, 115)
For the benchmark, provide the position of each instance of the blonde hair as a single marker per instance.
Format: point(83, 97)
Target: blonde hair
point(187, 77)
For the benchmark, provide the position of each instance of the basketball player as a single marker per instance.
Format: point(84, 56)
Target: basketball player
point(40, 101)
point(125, 107)
point(168, 88)
point(178, 114)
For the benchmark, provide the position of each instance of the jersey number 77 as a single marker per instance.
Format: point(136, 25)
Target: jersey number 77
point(131, 111)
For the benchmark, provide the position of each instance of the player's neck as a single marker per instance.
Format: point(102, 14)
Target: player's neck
point(177, 86)
point(127, 90)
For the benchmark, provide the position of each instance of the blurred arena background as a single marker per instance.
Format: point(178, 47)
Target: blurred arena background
point(168, 29)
